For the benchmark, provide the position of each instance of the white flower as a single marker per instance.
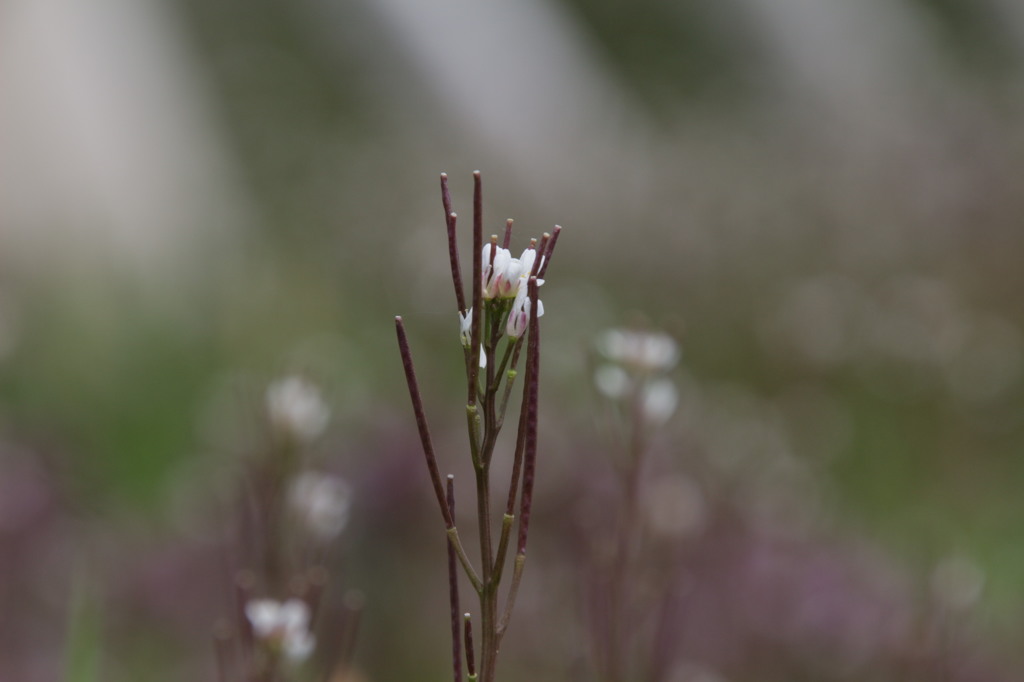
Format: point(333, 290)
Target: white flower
point(465, 327)
point(506, 276)
point(495, 272)
point(321, 502)
point(296, 409)
point(466, 334)
point(283, 627)
point(526, 265)
point(519, 316)
point(643, 351)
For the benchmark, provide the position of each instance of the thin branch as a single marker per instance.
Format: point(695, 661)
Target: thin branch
point(446, 197)
point(551, 249)
point(517, 468)
point(483, 509)
point(354, 604)
point(473, 425)
point(314, 583)
point(513, 592)
point(470, 661)
point(530, 454)
point(529, 426)
point(428, 451)
point(500, 372)
point(517, 461)
point(508, 234)
point(453, 256)
point(460, 552)
point(503, 541)
point(453, 247)
point(541, 250)
point(478, 247)
point(245, 583)
point(453, 590)
point(222, 649)
point(510, 381)
point(421, 423)
point(490, 344)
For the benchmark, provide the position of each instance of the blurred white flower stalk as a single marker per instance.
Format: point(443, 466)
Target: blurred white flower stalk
point(494, 326)
point(633, 372)
point(289, 516)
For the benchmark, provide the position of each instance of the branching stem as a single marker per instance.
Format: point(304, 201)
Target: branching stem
point(486, 405)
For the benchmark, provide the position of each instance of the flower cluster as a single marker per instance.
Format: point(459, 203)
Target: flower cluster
point(504, 286)
point(282, 627)
point(503, 274)
point(635, 365)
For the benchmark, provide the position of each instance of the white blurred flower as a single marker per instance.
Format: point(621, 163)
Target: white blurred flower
point(636, 368)
point(321, 502)
point(283, 627)
point(639, 350)
point(296, 408)
point(660, 399)
point(612, 381)
point(519, 316)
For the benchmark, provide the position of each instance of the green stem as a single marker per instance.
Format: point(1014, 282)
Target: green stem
point(483, 508)
point(511, 380)
point(499, 560)
point(474, 579)
point(473, 426)
point(513, 591)
point(489, 645)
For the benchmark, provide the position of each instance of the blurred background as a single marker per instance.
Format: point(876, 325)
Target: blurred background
point(821, 201)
